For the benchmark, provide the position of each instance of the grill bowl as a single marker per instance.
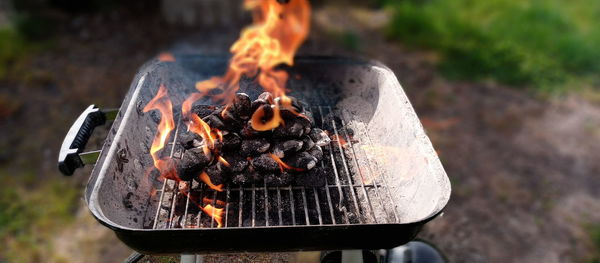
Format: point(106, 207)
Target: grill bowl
point(389, 177)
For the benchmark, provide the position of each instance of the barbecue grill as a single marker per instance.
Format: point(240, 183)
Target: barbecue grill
point(386, 180)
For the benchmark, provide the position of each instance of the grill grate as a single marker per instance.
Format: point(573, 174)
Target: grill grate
point(354, 193)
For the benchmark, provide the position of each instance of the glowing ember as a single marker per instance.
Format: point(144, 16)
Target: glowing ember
point(204, 178)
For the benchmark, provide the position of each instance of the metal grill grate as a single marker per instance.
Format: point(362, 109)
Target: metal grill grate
point(354, 193)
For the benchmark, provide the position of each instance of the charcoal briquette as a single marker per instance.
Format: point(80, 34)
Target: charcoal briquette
point(231, 142)
point(320, 137)
point(283, 148)
point(290, 130)
point(241, 106)
point(253, 147)
point(302, 160)
point(192, 163)
point(214, 121)
point(307, 143)
point(217, 173)
point(264, 163)
point(189, 140)
point(237, 163)
point(203, 110)
point(317, 152)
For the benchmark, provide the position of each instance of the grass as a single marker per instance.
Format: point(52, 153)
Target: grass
point(13, 46)
point(594, 230)
point(547, 45)
point(30, 212)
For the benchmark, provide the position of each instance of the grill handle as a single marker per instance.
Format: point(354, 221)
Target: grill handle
point(70, 156)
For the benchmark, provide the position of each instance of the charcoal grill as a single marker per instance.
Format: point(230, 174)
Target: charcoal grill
point(386, 179)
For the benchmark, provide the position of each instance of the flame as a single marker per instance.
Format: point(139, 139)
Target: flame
point(340, 139)
point(277, 32)
point(207, 200)
point(162, 103)
point(215, 213)
point(223, 161)
point(283, 165)
point(204, 177)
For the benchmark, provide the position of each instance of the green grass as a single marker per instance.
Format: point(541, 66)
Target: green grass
point(594, 230)
point(31, 212)
point(548, 45)
point(13, 46)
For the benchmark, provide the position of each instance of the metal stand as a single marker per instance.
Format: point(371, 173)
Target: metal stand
point(192, 259)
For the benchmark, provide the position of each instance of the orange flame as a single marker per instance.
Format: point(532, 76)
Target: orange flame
point(283, 165)
point(277, 32)
point(223, 161)
point(204, 177)
point(207, 200)
point(162, 103)
point(215, 213)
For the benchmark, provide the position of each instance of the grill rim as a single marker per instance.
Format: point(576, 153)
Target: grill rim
point(126, 233)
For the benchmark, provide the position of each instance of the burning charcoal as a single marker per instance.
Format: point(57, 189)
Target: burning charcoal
point(231, 142)
point(231, 121)
point(295, 105)
point(287, 147)
point(237, 163)
point(189, 140)
point(254, 147)
point(268, 112)
point(240, 179)
point(249, 132)
point(307, 143)
point(203, 110)
point(320, 137)
point(317, 152)
point(265, 163)
point(214, 122)
point(264, 98)
point(302, 160)
point(248, 176)
point(192, 163)
point(283, 179)
point(217, 173)
point(241, 106)
point(292, 129)
point(316, 177)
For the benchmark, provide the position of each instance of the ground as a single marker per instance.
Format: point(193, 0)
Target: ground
point(523, 167)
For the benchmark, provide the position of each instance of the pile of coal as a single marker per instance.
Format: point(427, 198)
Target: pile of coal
point(288, 154)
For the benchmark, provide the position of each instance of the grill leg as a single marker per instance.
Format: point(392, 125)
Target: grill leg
point(192, 259)
point(352, 256)
point(134, 258)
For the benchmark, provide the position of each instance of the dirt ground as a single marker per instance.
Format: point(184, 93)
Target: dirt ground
point(523, 168)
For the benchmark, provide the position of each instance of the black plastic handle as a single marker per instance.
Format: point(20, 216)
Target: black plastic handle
point(77, 137)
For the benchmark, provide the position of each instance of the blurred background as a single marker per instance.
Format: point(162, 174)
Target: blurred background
point(508, 91)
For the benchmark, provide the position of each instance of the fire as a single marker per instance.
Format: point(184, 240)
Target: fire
point(277, 32)
point(283, 165)
point(204, 177)
point(162, 103)
point(215, 213)
point(223, 161)
point(207, 200)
